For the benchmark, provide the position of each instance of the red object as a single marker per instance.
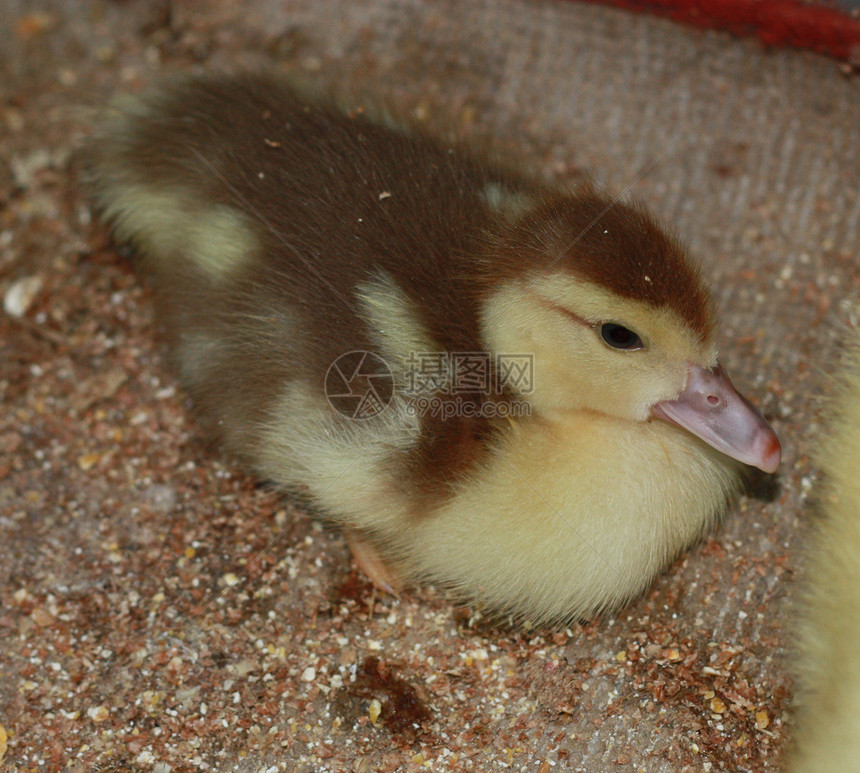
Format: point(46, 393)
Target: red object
point(775, 22)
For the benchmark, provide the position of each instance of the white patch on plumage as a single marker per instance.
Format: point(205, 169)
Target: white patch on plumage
point(149, 218)
point(505, 200)
point(346, 466)
point(220, 240)
point(168, 224)
point(349, 466)
point(395, 327)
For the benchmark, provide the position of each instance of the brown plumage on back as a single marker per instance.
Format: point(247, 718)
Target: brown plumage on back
point(519, 339)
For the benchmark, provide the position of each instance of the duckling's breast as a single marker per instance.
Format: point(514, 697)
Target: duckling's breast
point(574, 515)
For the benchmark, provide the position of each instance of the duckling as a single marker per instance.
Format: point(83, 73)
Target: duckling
point(495, 385)
point(828, 721)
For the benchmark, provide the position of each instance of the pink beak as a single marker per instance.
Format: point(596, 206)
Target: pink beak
point(712, 409)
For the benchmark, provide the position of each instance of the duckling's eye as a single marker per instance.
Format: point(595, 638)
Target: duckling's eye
point(619, 337)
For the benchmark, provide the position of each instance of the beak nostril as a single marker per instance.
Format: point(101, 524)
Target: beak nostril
point(713, 410)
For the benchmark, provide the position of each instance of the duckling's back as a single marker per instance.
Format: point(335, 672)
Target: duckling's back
point(275, 225)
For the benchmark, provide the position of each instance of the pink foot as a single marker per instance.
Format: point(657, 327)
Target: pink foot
point(370, 562)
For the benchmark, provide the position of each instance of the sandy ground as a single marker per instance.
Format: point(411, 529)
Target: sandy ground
point(161, 611)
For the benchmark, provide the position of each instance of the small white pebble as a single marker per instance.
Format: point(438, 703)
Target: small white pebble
point(309, 674)
point(21, 294)
point(98, 713)
point(67, 77)
point(25, 168)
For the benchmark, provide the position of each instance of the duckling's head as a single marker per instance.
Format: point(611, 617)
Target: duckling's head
point(618, 321)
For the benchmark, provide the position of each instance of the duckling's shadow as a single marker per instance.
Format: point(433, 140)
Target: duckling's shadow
point(764, 487)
